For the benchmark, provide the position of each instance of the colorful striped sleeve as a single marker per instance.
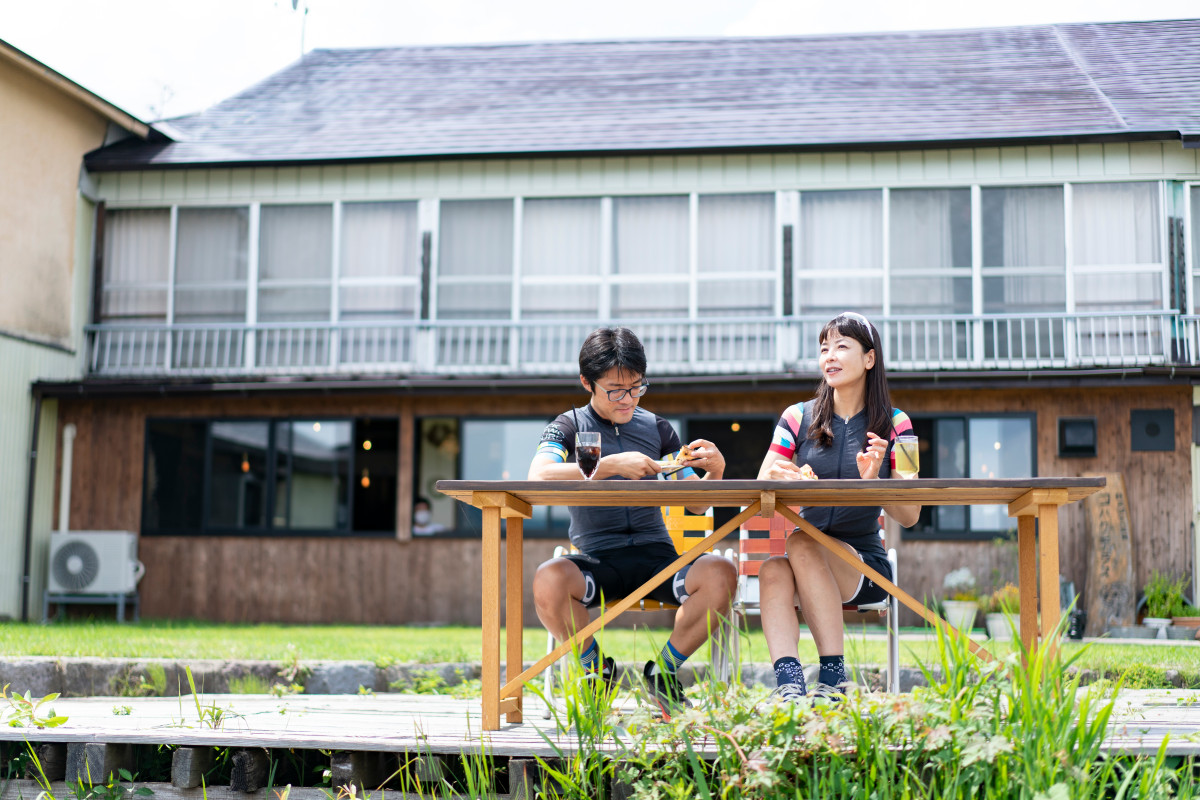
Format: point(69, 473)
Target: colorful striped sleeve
point(787, 431)
point(554, 443)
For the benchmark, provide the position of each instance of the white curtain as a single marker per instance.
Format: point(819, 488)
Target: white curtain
point(841, 230)
point(1116, 223)
point(295, 264)
point(736, 234)
point(561, 237)
point(210, 264)
point(475, 247)
point(137, 262)
point(380, 261)
point(650, 235)
point(1023, 227)
point(930, 231)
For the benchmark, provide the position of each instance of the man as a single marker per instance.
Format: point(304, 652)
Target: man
point(621, 548)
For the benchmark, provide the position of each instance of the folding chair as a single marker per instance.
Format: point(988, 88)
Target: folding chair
point(760, 539)
point(686, 530)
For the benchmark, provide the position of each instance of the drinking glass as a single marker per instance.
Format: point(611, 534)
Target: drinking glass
point(587, 452)
point(908, 460)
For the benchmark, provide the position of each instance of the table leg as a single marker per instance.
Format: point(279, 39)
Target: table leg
point(1027, 578)
point(491, 619)
point(1048, 573)
point(514, 623)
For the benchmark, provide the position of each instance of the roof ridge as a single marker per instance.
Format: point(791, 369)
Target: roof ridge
point(1069, 48)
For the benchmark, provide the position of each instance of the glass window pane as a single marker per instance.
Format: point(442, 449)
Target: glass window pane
point(174, 479)
point(295, 243)
point(438, 448)
point(561, 237)
point(736, 298)
point(841, 230)
point(950, 461)
point(210, 305)
point(380, 240)
point(1023, 227)
point(320, 463)
point(238, 480)
point(137, 262)
point(821, 297)
point(1001, 447)
point(300, 304)
point(476, 301)
point(1116, 223)
point(378, 302)
point(212, 245)
point(651, 300)
point(1108, 292)
point(501, 450)
point(928, 295)
point(650, 235)
point(736, 233)
point(475, 237)
point(930, 229)
point(376, 456)
point(1024, 293)
point(576, 301)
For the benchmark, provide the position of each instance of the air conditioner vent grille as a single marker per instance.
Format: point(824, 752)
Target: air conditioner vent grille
point(76, 565)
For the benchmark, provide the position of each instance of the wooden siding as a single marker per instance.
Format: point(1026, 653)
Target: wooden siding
point(398, 580)
point(654, 175)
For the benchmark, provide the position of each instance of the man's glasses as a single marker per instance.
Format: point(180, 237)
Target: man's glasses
point(617, 394)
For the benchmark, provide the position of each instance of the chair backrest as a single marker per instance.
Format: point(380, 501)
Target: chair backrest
point(760, 539)
point(687, 530)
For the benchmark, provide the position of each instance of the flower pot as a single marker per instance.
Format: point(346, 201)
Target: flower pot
point(998, 627)
point(961, 613)
point(1159, 624)
point(1186, 622)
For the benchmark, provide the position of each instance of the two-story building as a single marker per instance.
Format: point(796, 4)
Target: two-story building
point(374, 269)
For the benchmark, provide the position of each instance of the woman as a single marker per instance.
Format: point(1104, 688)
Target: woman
point(844, 432)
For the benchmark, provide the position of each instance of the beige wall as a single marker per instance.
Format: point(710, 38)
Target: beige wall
point(44, 135)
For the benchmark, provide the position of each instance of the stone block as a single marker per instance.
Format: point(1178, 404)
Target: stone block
point(340, 677)
point(37, 676)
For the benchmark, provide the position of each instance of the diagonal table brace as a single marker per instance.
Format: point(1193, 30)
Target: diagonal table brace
point(514, 686)
point(831, 544)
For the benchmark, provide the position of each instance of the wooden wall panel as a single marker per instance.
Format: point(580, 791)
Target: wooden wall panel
point(397, 580)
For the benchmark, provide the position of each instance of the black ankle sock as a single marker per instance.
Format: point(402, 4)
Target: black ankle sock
point(789, 670)
point(833, 670)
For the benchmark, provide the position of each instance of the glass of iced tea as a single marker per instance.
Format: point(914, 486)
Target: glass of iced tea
point(587, 452)
point(908, 460)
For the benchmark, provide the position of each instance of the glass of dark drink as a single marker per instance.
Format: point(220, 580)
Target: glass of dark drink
point(587, 452)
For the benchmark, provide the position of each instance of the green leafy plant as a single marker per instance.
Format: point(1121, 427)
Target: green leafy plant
point(1164, 596)
point(24, 711)
point(960, 585)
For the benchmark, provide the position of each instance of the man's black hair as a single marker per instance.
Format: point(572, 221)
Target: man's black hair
point(424, 500)
point(605, 348)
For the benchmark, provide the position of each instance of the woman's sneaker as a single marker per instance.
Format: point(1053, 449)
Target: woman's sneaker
point(788, 693)
point(664, 689)
point(823, 693)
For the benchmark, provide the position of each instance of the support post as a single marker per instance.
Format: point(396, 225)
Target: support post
point(491, 618)
point(514, 622)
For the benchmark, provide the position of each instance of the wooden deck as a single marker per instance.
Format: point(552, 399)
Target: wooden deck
point(415, 725)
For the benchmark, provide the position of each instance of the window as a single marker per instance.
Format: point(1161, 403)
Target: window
point(840, 253)
point(735, 255)
point(1118, 259)
point(380, 264)
point(930, 251)
point(1024, 249)
point(261, 477)
point(560, 258)
point(650, 257)
point(210, 265)
point(137, 266)
point(295, 263)
point(475, 251)
point(972, 447)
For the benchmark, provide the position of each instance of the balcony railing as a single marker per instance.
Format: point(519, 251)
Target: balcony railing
point(710, 346)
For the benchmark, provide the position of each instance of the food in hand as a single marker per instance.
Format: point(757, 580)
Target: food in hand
point(807, 474)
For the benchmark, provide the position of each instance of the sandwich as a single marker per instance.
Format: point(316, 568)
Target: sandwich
point(807, 474)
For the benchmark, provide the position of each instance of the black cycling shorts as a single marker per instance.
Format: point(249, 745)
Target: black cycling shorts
point(618, 573)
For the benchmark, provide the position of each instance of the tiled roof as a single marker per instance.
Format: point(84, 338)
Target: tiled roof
point(892, 89)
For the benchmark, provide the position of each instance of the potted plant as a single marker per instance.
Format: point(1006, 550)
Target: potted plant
point(962, 600)
point(1001, 607)
point(1164, 600)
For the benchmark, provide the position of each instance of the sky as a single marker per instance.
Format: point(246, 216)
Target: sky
point(166, 58)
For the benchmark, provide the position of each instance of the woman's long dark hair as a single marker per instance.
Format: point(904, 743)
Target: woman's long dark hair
point(878, 398)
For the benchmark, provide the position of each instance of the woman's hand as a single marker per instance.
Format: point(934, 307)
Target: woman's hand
point(781, 470)
point(871, 459)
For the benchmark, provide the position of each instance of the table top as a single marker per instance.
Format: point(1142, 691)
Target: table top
point(923, 491)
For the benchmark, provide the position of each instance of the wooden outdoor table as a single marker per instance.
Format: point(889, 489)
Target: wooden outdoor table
point(1033, 501)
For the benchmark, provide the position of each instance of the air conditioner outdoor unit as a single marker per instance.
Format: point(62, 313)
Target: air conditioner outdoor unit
point(93, 562)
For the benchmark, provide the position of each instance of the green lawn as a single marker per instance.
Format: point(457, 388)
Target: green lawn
point(384, 645)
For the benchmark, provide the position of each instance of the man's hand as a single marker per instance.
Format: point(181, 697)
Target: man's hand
point(628, 465)
point(707, 457)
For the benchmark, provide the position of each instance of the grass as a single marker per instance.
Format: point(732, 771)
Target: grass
point(386, 645)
